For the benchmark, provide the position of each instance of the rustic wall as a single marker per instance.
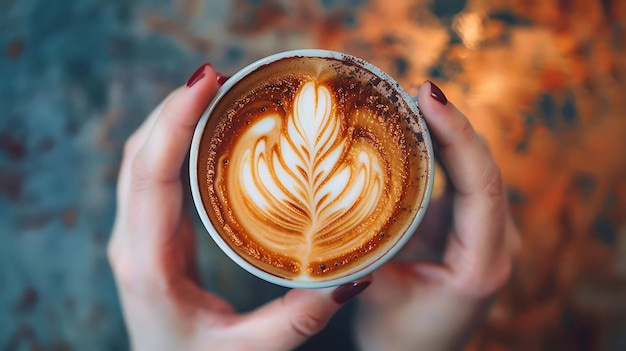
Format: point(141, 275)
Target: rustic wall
point(544, 81)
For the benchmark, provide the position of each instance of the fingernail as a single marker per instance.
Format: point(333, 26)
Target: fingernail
point(197, 75)
point(437, 94)
point(345, 292)
point(221, 79)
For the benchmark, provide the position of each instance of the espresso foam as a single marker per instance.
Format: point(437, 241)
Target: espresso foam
point(309, 173)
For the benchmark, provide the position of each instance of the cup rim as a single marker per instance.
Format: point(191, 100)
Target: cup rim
point(382, 257)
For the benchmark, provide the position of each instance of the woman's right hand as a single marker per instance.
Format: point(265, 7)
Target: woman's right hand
point(430, 306)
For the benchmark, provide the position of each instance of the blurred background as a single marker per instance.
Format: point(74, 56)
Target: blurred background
point(543, 80)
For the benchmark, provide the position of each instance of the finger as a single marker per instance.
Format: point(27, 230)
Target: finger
point(479, 204)
point(139, 137)
point(154, 195)
point(289, 321)
point(463, 152)
point(164, 151)
point(131, 147)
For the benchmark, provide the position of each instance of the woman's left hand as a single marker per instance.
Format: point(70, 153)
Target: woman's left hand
point(152, 250)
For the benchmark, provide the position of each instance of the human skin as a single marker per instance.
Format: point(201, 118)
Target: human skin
point(152, 249)
point(436, 305)
point(410, 306)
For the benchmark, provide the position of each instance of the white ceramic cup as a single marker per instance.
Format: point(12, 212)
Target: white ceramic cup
point(365, 267)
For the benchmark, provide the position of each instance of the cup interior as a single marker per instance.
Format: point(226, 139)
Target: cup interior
point(369, 265)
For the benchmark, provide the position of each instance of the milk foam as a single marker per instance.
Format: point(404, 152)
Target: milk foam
point(303, 182)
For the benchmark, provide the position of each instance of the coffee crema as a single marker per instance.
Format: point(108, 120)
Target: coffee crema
point(311, 167)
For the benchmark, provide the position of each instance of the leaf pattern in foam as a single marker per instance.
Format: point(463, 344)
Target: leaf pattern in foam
point(306, 184)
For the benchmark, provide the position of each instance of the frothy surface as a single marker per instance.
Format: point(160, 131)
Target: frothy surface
point(305, 175)
point(310, 174)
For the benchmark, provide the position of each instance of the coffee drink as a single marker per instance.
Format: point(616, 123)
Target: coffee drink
point(312, 168)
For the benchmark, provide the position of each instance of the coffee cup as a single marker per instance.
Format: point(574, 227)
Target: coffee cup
point(311, 168)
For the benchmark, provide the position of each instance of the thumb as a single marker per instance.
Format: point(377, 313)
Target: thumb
point(287, 322)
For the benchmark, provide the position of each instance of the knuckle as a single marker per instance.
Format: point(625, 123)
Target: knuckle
point(139, 163)
point(466, 132)
point(131, 146)
point(112, 252)
point(139, 172)
point(125, 268)
point(469, 282)
point(492, 180)
point(306, 324)
point(134, 278)
point(483, 283)
point(121, 267)
point(137, 167)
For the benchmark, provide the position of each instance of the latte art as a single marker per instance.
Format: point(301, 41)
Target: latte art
point(310, 169)
point(309, 177)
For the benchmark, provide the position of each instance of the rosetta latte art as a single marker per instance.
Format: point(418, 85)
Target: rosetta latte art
point(305, 184)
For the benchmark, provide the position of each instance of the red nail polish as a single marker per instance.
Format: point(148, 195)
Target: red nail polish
point(197, 75)
point(345, 292)
point(221, 79)
point(437, 94)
